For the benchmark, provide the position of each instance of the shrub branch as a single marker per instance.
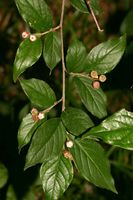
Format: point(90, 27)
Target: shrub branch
point(62, 55)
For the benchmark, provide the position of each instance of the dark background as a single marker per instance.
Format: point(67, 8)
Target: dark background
point(14, 104)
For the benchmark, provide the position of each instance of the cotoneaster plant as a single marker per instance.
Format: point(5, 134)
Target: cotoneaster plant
point(72, 139)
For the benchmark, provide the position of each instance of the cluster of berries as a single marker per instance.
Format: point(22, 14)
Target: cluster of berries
point(36, 115)
point(27, 34)
point(97, 79)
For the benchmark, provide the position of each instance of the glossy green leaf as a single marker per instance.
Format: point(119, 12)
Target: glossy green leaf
point(104, 57)
point(3, 175)
point(80, 5)
point(35, 13)
point(26, 130)
point(39, 92)
point(93, 99)
point(76, 57)
point(92, 163)
point(27, 54)
point(47, 141)
point(56, 175)
point(115, 130)
point(52, 50)
point(127, 24)
point(76, 120)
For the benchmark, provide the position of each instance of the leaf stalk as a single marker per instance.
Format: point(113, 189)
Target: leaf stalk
point(93, 15)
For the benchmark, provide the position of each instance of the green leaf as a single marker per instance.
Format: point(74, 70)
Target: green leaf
point(104, 57)
point(26, 130)
point(52, 50)
point(56, 175)
point(47, 141)
point(27, 54)
point(93, 99)
point(3, 175)
point(76, 57)
point(72, 94)
point(80, 5)
point(39, 92)
point(35, 13)
point(92, 163)
point(76, 120)
point(116, 130)
point(10, 194)
point(127, 24)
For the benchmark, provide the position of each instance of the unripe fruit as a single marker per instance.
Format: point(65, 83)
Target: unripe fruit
point(33, 38)
point(25, 34)
point(96, 84)
point(41, 115)
point(94, 74)
point(35, 118)
point(102, 78)
point(67, 155)
point(69, 144)
point(34, 113)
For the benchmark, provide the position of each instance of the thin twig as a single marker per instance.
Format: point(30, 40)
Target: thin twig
point(62, 55)
point(93, 15)
point(83, 75)
point(48, 109)
point(79, 74)
point(46, 32)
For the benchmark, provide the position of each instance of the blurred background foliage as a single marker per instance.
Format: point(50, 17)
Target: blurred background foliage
point(116, 19)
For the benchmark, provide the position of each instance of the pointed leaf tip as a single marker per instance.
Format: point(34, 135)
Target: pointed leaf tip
point(27, 54)
point(76, 57)
point(56, 175)
point(76, 120)
point(93, 99)
point(52, 50)
point(116, 130)
point(92, 163)
point(104, 57)
point(39, 92)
